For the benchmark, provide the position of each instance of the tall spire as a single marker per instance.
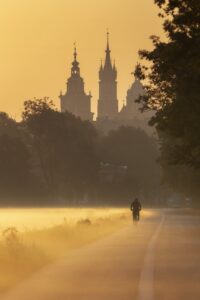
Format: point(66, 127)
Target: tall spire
point(107, 103)
point(108, 60)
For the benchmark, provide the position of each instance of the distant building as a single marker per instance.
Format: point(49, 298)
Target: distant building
point(132, 109)
point(75, 100)
point(107, 103)
point(130, 114)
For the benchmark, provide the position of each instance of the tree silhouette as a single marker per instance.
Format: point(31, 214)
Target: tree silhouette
point(64, 146)
point(173, 88)
point(15, 167)
point(134, 149)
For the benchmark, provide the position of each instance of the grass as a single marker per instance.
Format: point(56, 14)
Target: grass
point(24, 252)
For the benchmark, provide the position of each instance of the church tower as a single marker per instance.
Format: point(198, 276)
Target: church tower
point(107, 103)
point(75, 100)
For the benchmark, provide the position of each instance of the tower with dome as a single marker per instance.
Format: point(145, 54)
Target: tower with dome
point(75, 100)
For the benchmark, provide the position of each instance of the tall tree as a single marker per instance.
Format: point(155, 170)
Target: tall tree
point(173, 80)
point(64, 146)
point(15, 163)
point(132, 148)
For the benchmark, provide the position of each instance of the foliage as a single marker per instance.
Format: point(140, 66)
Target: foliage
point(15, 168)
point(56, 158)
point(8, 126)
point(24, 253)
point(11, 237)
point(181, 179)
point(134, 149)
point(173, 85)
point(64, 145)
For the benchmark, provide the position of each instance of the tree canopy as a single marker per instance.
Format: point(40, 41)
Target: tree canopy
point(16, 179)
point(173, 79)
point(133, 149)
point(64, 148)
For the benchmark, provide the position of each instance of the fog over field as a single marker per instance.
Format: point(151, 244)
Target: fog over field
point(33, 238)
point(39, 218)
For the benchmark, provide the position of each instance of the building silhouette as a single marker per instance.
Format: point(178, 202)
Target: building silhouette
point(131, 109)
point(75, 100)
point(107, 103)
point(130, 114)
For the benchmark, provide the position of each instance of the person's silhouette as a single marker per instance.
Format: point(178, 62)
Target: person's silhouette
point(136, 208)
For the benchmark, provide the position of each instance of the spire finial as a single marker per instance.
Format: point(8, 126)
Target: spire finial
point(108, 63)
point(75, 64)
point(75, 52)
point(108, 34)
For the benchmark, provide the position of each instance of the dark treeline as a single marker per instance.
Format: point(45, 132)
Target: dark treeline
point(55, 158)
point(139, 173)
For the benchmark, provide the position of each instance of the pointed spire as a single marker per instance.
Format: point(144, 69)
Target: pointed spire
point(108, 60)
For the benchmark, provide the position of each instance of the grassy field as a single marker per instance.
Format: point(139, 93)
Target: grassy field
point(33, 238)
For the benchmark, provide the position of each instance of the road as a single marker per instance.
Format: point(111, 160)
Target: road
point(159, 259)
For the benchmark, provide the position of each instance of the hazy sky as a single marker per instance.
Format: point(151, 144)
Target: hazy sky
point(37, 39)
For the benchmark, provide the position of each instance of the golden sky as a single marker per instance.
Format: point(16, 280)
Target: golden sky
point(37, 39)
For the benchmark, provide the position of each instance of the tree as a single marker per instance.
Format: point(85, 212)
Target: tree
point(64, 147)
point(8, 126)
point(173, 80)
point(179, 178)
point(133, 148)
point(15, 166)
